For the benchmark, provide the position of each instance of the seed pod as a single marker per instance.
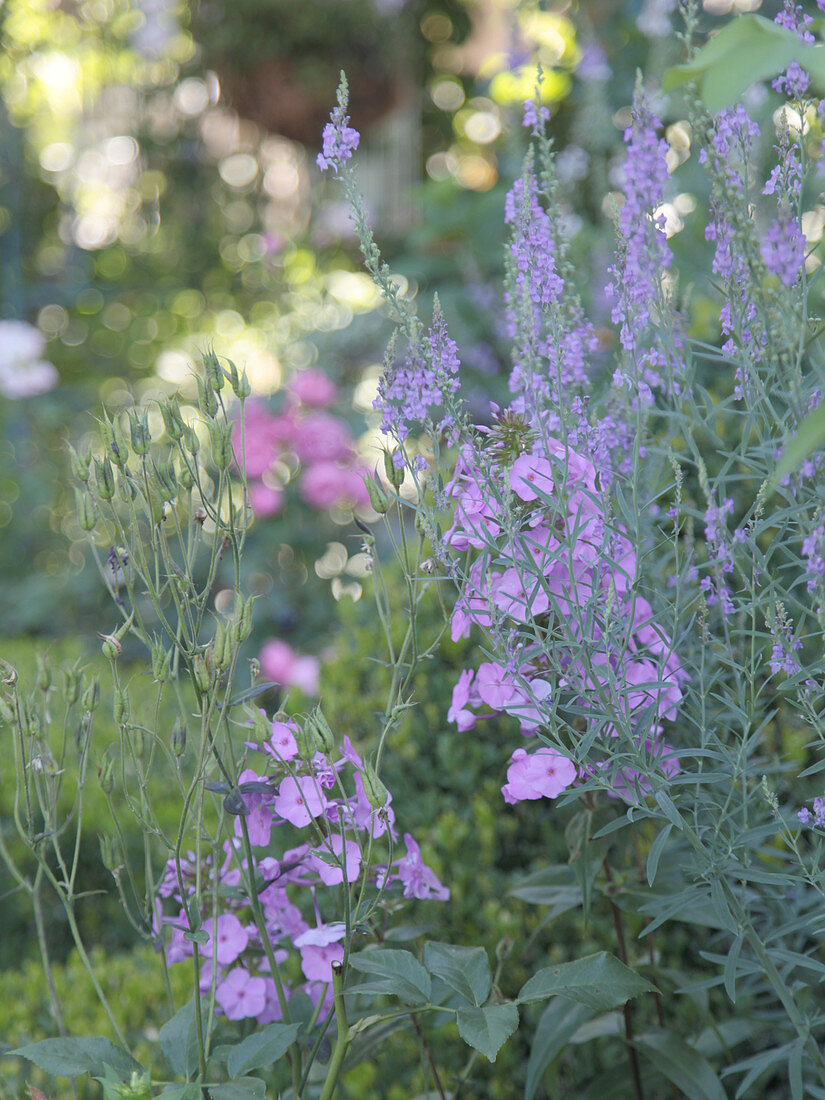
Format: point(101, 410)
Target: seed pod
point(207, 399)
point(243, 618)
point(91, 695)
point(104, 479)
point(44, 674)
point(220, 650)
point(113, 441)
point(220, 436)
point(166, 479)
point(106, 775)
point(139, 432)
point(200, 672)
point(108, 852)
point(305, 741)
point(138, 741)
point(172, 421)
point(110, 647)
point(243, 389)
point(80, 463)
point(179, 738)
point(395, 474)
point(185, 478)
point(213, 370)
point(191, 441)
point(161, 663)
point(323, 734)
point(85, 508)
point(120, 707)
point(377, 794)
point(7, 716)
point(378, 498)
point(71, 685)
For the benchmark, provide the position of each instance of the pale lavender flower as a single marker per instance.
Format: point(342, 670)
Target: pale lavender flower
point(783, 250)
point(339, 139)
point(813, 548)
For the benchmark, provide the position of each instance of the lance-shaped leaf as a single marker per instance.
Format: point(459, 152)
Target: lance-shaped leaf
point(261, 1048)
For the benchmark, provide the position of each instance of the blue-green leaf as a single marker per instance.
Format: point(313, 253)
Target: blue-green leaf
point(557, 1025)
point(599, 981)
point(464, 969)
point(689, 1070)
point(179, 1040)
point(487, 1029)
point(245, 1088)
point(655, 853)
point(70, 1057)
point(406, 976)
point(261, 1048)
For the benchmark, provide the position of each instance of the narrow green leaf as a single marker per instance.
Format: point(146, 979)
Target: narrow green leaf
point(487, 1029)
point(464, 969)
point(70, 1057)
point(179, 1040)
point(599, 981)
point(655, 853)
point(557, 1025)
point(253, 692)
point(809, 437)
point(261, 1048)
point(689, 1070)
point(409, 980)
point(666, 805)
point(795, 1070)
point(731, 963)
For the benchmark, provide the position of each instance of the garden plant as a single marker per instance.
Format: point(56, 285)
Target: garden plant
point(608, 591)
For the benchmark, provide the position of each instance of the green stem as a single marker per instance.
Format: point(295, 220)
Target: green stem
point(342, 1041)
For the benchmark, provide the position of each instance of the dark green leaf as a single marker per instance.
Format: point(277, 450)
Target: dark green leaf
point(600, 981)
point(689, 1070)
point(464, 969)
point(245, 1088)
point(409, 980)
point(261, 1048)
point(179, 1040)
point(189, 1091)
point(69, 1057)
point(557, 1025)
point(487, 1029)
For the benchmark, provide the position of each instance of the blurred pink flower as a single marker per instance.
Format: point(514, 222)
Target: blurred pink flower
point(312, 388)
point(321, 437)
point(280, 662)
point(265, 500)
point(325, 484)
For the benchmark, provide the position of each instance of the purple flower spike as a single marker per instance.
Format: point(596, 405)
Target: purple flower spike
point(339, 139)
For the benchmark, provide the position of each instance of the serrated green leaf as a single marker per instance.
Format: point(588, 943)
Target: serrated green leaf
point(487, 1029)
point(557, 1025)
point(72, 1057)
point(689, 1070)
point(599, 981)
point(261, 1048)
point(179, 1040)
point(464, 969)
point(408, 978)
point(245, 1088)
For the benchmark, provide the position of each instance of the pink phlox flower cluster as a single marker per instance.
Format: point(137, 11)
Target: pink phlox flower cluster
point(563, 564)
point(310, 796)
point(411, 393)
point(330, 475)
point(542, 774)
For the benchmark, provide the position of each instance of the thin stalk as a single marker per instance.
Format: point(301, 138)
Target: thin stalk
point(342, 1041)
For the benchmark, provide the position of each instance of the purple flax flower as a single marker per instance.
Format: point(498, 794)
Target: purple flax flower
point(240, 995)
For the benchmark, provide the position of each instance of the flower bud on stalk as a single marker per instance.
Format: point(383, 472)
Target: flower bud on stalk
point(377, 794)
point(113, 441)
point(213, 370)
point(161, 663)
point(104, 479)
point(71, 685)
point(139, 432)
point(223, 645)
point(44, 674)
point(85, 508)
point(378, 498)
point(240, 383)
point(81, 464)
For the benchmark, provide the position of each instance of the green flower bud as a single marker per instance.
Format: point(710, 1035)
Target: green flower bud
point(395, 474)
point(239, 382)
point(377, 794)
point(323, 734)
point(85, 507)
point(166, 479)
point(207, 399)
point(139, 432)
point(71, 685)
point(104, 479)
point(378, 498)
point(110, 647)
point(200, 672)
point(80, 463)
point(113, 441)
point(108, 852)
point(185, 477)
point(220, 436)
point(179, 738)
point(161, 663)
